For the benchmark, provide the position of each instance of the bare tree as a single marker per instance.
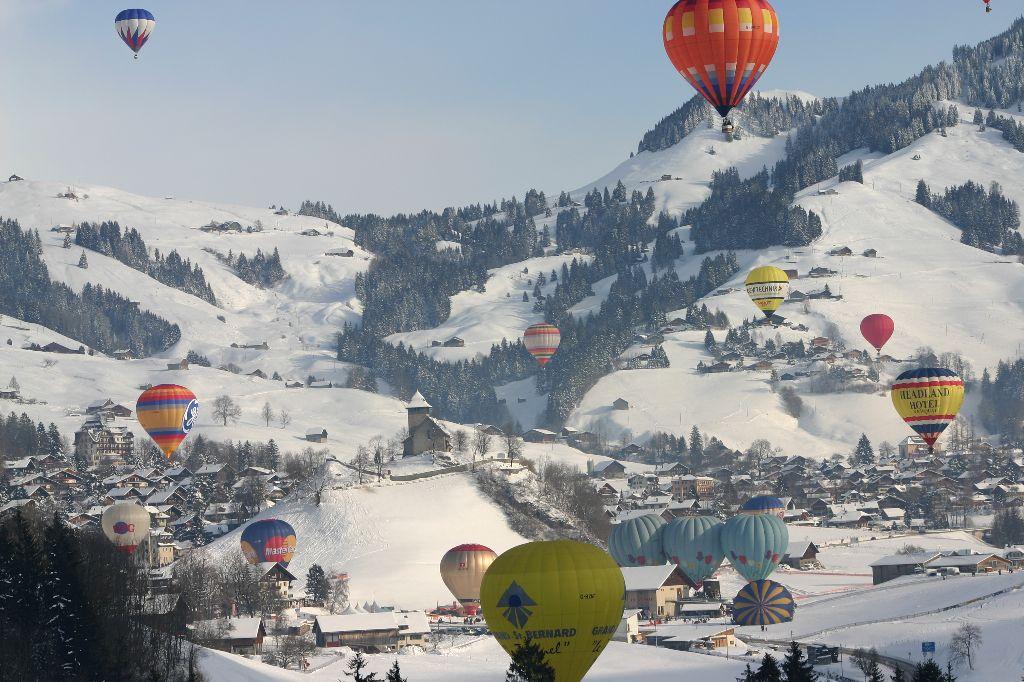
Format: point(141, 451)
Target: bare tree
point(965, 643)
point(759, 452)
point(289, 650)
point(865, 660)
point(284, 418)
point(239, 585)
point(380, 452)
point(225, 409)
point(267, 413)
point(337, 600)
point(460, 443)
point(250, 496)
point(481, 445)
point(196, 577)
point(310, 471)
point(513, 444)
point(361, 462)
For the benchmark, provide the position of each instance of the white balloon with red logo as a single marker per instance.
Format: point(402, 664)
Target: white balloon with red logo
point(126, 525)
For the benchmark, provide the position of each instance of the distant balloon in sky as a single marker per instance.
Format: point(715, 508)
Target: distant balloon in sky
point(768, 287)
point(268, 540)
point(721, 47)
point(566, 596)
point(462, 569)
point(928, 399)
point(126, 525)
point(167, 412)
point(542, 341)
point(134, 26)
point(877, 329)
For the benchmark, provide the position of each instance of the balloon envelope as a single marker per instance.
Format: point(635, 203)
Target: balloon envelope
point(768, 287)
point(126, 525)
point(462, 570)
point(694, 543)
point(268, 540)
point(721, 47)
point(764, 504)
point(928, 399)
point(764, 602)
point(566, 596)
point(167, 412)
point(542, 340)
point(134, 26)
point(877, 329)
point(755, 544)
point(637, 542)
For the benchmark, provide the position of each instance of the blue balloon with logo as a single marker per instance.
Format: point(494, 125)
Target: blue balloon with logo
point(268, 540)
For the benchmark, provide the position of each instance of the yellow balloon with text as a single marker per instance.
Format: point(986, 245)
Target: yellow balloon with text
point(567, 597)
point(768, 287)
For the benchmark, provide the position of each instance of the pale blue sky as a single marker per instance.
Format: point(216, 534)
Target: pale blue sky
point(389, 105)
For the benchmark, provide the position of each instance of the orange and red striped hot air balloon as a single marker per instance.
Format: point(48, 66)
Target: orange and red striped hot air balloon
point(167, 412)
point(721, 47)
point(542, 341)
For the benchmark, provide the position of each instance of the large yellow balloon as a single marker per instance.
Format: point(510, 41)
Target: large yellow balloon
point(565, 596)
point(768, 287)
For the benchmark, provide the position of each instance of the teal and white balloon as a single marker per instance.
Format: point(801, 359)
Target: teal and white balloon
point(694, 543)
point(755, 544)
point(637, 542)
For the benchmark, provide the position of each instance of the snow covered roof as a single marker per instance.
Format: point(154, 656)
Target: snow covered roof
point(906, 559)
point(646, 577)
point(240, 628)
point(798, 549)
point(417, 400)
point(358, 622)
point(700, 607)
point(411, 622)
point(961, 559)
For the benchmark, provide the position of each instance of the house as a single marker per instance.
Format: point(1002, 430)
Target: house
point(107, 406)
point(966, 562)
point(55, 347)
point(895, 565)
point(620, 404)
point(311, 232)
point(821, 272)
point(540, 436)
point(718, 368)
point(321, 384)
point(123, 354)
point(841, 251)
point(102, 445)
point(10, 395)
point(870, 253)
point(801, 555)
point(316, 435)
point(1015, 555)
point(372, 632)
point(291, 383)
point(692, 486)
point(234, 635)
point(629, 627)
point(850, 519)
point(181, 364)
point(693, 636)
point(343, 253)
point(15, 178)
point(609, 469)
point(425, 433)
point(657, 591)
point(219, 473)
point(275, 577)
point(912, 446)
point(259, 373)
point(797, 296)
point(819, 342)
point(262, 345)
point(454, 342)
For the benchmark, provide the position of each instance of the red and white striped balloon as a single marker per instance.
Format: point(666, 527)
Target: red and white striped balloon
point(542, 341)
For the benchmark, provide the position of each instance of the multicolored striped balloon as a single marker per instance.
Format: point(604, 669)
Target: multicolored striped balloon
point(928, 399)
point(167, 412)
point(542, 341)
point(764, 602)
point(134, 26)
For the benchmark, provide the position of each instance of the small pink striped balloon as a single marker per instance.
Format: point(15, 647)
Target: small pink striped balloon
point(542, 341)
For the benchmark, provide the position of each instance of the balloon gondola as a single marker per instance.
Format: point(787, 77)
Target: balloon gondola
point(763, 602)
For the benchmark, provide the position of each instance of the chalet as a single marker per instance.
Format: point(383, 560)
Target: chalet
point(821, 272)
point(8, 394)
point(311, 232)
point(219, 473)
point(14, 505)
point(181, 364)
point(258, 373)
point(321, 384)
point(123, 354)
point(692, 486)
point(893, 566)
point(609, 469)
point(718, 368)
point(291, 383)
point(178, 473)
point(172, 495)
point(819, 342)
point(914, 445)
point(281, 211)
point(693, 636)
point(15, 178)
point(490, 430)
point(454, 342)
point(234, 635)
point(107, 406)
point(262, 345)
point(870, 253)
point(539, 436)
point(343, 253)
point(851, 519)
point(666, 177)
point(801, 555)
point(797, 296)
point(1015, 555)
point(967, 562)
point(372, 631)
point(316, 435)
point(426, 434)
point(657, 591)
point(620, 404)
point(841, 251)
point(762, 366)
point(55, 347)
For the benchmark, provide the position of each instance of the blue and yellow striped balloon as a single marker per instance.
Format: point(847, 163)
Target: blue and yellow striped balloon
point(764, 602)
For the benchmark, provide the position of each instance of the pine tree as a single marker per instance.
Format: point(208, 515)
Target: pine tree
point(898, 676)
point(923, 195)
point(317, 585)
point(696, 447)
point(769, 670)
point(529, 664)
point(928, 671)
point(709, 341)
point(796, 666)
point(395, 674)
point(355, 669)
point(864, 453)
point(83, 262)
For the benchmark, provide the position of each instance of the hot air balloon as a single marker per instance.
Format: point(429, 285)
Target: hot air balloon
point(268, 540)
point(877, 329)
point(768, 287)
point(928, 399)
point(542, 341)
point(694, 543)
point(764, 504)
point(763, 602)
point(755, 544)
point(167, 412)
point(126, 525)
point(134, 26)
point(566, 596)
point(721, 47)
point(462, 570)
point(988, 7)
point(637, 542)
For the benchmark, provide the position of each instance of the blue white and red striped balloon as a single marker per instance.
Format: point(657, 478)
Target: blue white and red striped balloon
point(135, 26)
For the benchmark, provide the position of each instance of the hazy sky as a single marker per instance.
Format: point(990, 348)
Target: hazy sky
point(389, 105)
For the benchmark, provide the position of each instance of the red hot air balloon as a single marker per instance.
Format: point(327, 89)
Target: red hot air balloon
point(542, 341)
point(721, 47)
point(877, 329)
